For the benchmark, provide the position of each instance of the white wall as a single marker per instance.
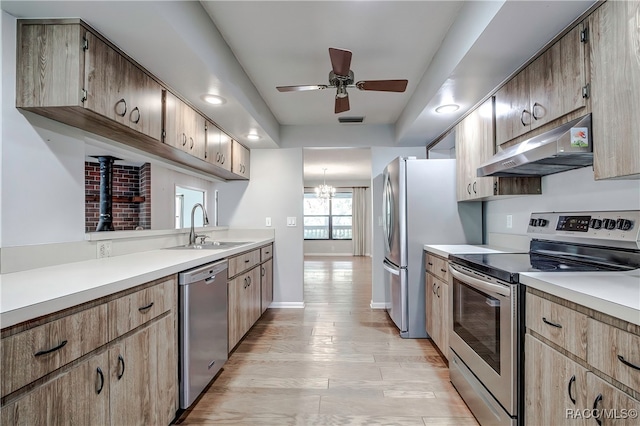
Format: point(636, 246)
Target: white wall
point(275, 190)
point(575, 190)
point(380, 157)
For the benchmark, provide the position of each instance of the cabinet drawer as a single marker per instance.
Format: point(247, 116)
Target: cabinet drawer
point(561, 325)
point(33, 353)
point(133, 310)
point(266, 252)
point(611, 350)
point(437, 266)
point(243, 262)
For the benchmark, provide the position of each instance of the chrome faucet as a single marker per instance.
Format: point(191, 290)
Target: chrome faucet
point(205, 220)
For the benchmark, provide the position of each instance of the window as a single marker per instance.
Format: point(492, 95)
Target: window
point(327, 219)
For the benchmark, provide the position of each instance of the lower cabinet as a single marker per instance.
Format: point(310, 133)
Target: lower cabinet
point(610, 405)
point(266, 284)
point(556, 386)
point(437, 301)
point(130, 379)
point(141, 385)
point(80, 397)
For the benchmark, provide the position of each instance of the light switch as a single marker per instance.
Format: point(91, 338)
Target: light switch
point(509, 221)
point(267, 221)
point(291, 221)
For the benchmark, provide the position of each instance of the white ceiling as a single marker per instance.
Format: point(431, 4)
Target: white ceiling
point(449, 51)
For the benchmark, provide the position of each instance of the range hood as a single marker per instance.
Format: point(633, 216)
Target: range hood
point(564, 148)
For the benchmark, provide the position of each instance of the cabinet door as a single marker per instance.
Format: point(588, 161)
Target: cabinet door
point(184, 128)
point(218, 147)
point(443, 299)
point(615, 84)
point(610, 405)
point(143, 372)
point(266, 284)
point(556, 79)
point(555, 386)
point(255, 291)
point(513, 117)
point(240, 156)
point(80, 397)
point(430, 295)
point(235, 297)
point(119, 90)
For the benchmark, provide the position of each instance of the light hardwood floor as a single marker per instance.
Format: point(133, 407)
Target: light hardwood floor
point(335, 362)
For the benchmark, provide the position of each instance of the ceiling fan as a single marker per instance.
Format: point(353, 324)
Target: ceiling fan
point(342, 77)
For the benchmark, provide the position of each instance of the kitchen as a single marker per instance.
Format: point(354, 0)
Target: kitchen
point(60, 163)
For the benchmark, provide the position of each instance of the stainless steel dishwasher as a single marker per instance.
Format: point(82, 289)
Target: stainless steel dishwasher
point(203, 328)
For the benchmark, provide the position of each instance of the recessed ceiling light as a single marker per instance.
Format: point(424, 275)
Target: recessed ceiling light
point(214, 99)
point(445, 109)
point(253, 137)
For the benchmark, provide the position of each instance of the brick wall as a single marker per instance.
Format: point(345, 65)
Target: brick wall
point(128, 181)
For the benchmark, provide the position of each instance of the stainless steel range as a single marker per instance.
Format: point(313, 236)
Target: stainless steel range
point(488, 303)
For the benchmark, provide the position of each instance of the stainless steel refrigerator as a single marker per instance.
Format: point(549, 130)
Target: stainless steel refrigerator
point(420, 207)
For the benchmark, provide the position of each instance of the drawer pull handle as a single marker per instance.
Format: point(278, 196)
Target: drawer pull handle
point(48, 351)
point(145, 308)
point(247, 261)
point(572, 381)
point(595, 409)
point(433, 289)
point(120, 361)
point(262, 271)
point(430, 264)
point(245, 283)
point(553, 324)
point(444, 271)
point(627, 363)
point(101, 376)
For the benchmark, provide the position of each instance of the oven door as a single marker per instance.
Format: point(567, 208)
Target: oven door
point(484, 322)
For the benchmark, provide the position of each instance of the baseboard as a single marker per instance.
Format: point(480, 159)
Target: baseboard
point(377, 305)
point(287, 305)
point(329, 254)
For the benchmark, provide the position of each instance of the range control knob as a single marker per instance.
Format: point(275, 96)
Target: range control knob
point(533, 222)
point(595, 224)
point(542, 222)
point(609, 224)
point(624, 224)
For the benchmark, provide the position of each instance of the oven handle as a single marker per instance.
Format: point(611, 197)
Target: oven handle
point(493, 289)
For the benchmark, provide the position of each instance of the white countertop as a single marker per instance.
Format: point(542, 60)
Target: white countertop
point(614, 293)
point(446, 250)
point(29, 294)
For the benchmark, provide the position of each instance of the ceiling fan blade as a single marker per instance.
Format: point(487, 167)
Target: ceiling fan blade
point(301, 88)
point(383, 85)
point(340, 61)
point(342, 104)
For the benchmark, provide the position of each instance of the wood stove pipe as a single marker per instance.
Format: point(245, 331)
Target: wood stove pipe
point(106, 192)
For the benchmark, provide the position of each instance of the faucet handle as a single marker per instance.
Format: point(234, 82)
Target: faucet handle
point(202, 238)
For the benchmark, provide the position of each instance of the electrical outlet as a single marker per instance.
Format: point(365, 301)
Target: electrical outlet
point(104, 249)
point(509, 221)
point(267, 221)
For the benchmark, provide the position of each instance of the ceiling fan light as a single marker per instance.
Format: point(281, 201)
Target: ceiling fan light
point(214, 99)
point(342, 92)
point(447, 109)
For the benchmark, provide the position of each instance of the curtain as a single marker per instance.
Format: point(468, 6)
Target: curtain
point(359, 222)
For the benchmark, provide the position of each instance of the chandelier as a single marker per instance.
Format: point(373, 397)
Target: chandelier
point(324, 190)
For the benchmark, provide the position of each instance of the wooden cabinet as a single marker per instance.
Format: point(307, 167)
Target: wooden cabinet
point(549, 88)
point(266, 284)
point(573, 373)
point(80, 396)
point(615, 84)
point(218, 147)
point(119, 364)
point(240, 157)
point(142, 379)
point(474, 146)
point(184, 128)
point(437, 301)
point(244, 304)
point(556, 385)
point(67, 73)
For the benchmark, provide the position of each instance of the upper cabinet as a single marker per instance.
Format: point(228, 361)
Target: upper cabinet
point(614, 50)
point(474, 146)
point(67, 72)
point(218, 147)
point(183, 128)
point(551, 87)
point(240, 157)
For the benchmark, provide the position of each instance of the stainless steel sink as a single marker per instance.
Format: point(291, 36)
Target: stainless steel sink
point(211, 245)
